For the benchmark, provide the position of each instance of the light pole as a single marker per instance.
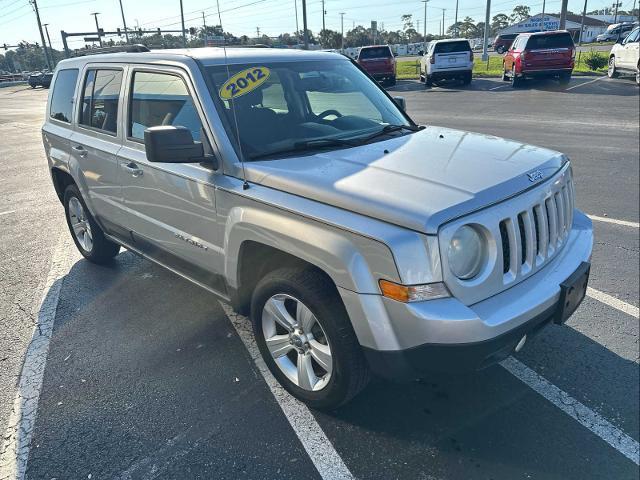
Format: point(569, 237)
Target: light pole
point(424, 28)
point(485, 40)
point(584, 14)
point(295, 6)
point(95, 16)
point(544, 2)
point(304, 24)
point(46, 30)
point(35, 9)
point(456, 20)
point(124, 23)
point(184, 34)
point(342, 32)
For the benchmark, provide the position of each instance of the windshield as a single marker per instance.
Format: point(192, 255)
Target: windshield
point(312, 104)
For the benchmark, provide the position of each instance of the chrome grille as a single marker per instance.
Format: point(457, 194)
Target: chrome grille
point(530, 238)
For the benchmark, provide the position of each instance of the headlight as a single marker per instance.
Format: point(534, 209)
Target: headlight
point(466, 252)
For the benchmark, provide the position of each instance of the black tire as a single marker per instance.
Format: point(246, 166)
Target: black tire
point(392, 81)
point(102, 250)
point(466, 80)
point(564, 78)
point(612, 72)
point(515, 80)
point(428, 81)
point(500, 50)
point(350, 370)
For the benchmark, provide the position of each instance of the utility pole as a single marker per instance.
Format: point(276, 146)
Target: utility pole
point(204, 29)
point(323, 14)
point(304, 24)
point(95, 16)
point(563, 15)
point(487, 19)
point(424, 28)
point(295, 6)
point(258, 33)
point(443, 10)
point(584, 14)
point(124, 23)
point(45, 25)
point(184, 33)
point(44, 45)
point(456, 20)
point(615, 16)
point(544, 3)
point(342, 32)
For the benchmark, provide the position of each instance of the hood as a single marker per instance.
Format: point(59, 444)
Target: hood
point(418, 181)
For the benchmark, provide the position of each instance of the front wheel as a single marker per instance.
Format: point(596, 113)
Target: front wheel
point(306, 339)
point(86, 233)
point(611, 71)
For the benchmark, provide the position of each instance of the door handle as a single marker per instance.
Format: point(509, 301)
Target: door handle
point(80, 150)
point(133, 169)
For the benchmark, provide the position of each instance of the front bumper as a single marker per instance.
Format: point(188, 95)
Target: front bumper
point(404, 339)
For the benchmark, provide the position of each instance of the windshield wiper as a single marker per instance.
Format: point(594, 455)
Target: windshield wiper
point(389, 129)
point(306, 145)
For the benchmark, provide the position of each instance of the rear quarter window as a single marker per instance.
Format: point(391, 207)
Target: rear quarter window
point(557, 40)
point(379, 52)
point(452, 47)
point(62, 96)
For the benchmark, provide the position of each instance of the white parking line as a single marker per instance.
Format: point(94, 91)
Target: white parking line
point(595, 422)
point(17, 437)
point(7, 212)
point(613, 220)
point(329, 464)
point(613, 302)
point(583, 83)
point(499, 86)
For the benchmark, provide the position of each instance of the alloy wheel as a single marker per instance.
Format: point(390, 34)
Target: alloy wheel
point(80, 224)
point(297, 342)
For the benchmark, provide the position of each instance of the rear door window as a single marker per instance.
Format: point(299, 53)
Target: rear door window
point(378, 52)
point(556, 40)
point(62, 95)
point(161, 99)
point(100, 97)
point(452, 47)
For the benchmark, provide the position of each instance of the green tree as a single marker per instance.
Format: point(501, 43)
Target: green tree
point(499, 22)
point(330, 38)
point(520, 13)
point(358, 37)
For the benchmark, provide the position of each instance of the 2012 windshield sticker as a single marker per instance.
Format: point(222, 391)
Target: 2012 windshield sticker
point(244, 82)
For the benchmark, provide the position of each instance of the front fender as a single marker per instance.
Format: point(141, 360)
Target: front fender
point(353, 262)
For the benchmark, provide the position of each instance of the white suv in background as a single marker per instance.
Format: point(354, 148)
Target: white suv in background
point(625, 56)
point(447, 59)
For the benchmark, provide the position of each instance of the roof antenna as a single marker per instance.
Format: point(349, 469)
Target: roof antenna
point(245, 184)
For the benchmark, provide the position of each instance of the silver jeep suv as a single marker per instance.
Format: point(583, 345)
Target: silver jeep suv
point(292, 186)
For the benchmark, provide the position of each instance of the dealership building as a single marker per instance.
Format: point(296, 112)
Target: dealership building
point(592, 26)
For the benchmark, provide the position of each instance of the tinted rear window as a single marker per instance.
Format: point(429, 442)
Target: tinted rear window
point(378, 52)
point(62, 96)
point(510, 36)
point(452, 47)
point(558, 40)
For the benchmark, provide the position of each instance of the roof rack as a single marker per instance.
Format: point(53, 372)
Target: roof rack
point(119, 49)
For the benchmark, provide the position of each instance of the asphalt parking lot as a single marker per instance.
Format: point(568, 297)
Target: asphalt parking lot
point(147, 376)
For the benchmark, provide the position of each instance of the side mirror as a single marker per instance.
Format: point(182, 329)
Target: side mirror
point(400, 101)
point(172, 144)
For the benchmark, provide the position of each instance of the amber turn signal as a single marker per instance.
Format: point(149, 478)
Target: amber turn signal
point(413, 293)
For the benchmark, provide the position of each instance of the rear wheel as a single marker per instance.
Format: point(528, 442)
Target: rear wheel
point(305, 337)
point(500, 50)
point(515, 80)
point(392, 81)
point(611, 71)
point(86, 233)
point(466, 79)
point(565, 78)
point(428, 80)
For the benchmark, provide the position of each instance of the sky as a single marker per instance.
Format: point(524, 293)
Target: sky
point(241, 17)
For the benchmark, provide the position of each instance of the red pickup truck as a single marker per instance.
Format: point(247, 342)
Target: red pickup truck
point(540, 54)
point(379, 62)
